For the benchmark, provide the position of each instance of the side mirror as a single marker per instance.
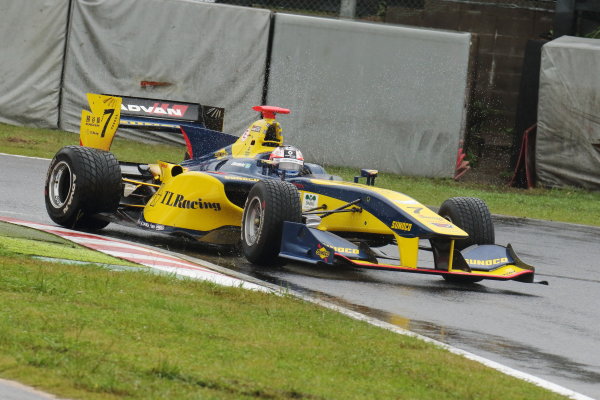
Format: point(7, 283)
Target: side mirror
point(370, 174)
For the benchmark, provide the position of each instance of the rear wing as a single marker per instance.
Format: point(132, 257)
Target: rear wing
point(200, 125)
point(133, 108)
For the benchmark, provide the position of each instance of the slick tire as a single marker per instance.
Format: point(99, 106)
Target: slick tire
point(82, 182)
point(269, 204)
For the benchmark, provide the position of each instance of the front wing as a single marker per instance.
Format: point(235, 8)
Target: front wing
point(493, 262)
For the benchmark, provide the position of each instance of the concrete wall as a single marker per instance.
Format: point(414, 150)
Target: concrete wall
point(371, 95)
point(502, 35)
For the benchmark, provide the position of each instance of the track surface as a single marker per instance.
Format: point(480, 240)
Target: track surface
point(552, 332)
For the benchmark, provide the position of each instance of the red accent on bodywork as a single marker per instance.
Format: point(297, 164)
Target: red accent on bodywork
point(188, 144)
point(270, 111)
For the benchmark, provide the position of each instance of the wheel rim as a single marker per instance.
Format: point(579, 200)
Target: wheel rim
point(253, 221)
point(447, 217)
point(60, 185)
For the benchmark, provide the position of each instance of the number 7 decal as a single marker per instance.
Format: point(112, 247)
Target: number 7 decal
point(99, 125)
point(110, 112)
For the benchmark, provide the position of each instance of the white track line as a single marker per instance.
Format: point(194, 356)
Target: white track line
point(16, 155)
point(142, 255)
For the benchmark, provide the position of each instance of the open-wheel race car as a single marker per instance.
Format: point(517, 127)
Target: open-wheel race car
point(255, 190)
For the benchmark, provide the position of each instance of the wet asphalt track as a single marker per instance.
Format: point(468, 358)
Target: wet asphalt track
point(552, 332)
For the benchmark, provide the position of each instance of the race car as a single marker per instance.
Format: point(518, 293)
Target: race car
point(256, 191)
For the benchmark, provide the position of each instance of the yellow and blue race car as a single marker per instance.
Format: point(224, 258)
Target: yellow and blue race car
point(259, 192)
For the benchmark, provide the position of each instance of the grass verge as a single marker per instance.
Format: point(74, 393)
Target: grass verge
point(26, 241)
point(88, 332)
point(45, 143)
point(564, 205)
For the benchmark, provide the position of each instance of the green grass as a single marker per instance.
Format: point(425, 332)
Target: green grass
point(56, 248)
point(564, 205)
point(87, 332)
point(46, 142)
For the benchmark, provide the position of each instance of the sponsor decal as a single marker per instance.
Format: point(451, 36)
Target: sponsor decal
point(220, 153)
point(144, 123)
point(289, 153)
point(416, 210)
point(347, 250)
point(150, 225)
point(494, 261)
point(433, 217)
point(162, 109)
point(178, 200)
point(322, 252)
point(310, 200)
point(239, 164)
point(211, 116)
point(442, 225)
point(93, 121)
point(245, 135)
point(73, 187)
point(215, 112)
point(256, 128)
point(240, 178)
point(403, 226)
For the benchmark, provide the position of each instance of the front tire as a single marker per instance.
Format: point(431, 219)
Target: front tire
point(269, 204)
point(473, 216)
point(82, 182)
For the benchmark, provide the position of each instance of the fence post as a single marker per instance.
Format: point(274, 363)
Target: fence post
point(564, 18)
point(348, 8)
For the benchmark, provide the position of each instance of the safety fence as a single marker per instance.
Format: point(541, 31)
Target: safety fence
point(377, 9)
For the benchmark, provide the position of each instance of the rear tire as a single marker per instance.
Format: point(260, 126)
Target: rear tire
point(472, 216)
point(269, 204)
point(82, 182)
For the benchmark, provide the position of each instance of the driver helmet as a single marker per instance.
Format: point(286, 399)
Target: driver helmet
point(287, 158)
